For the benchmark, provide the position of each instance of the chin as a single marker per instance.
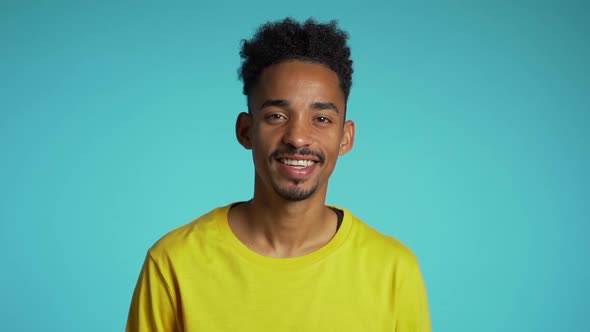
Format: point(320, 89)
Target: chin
point(294, 193)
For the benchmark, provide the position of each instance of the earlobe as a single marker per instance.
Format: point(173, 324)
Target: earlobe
point(243, 129)
point(347, 137)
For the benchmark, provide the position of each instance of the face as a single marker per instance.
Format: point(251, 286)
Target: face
point(296, 129)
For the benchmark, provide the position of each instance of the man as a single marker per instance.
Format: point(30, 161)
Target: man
point(284, 261)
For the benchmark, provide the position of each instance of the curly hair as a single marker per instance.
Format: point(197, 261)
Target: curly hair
point(285, 40)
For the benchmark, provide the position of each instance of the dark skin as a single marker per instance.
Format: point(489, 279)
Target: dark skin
point(296, 130)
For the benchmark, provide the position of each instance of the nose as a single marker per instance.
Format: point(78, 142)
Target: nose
point(297, 133)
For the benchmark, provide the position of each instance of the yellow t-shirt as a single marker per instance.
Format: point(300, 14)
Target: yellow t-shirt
point(200, 277)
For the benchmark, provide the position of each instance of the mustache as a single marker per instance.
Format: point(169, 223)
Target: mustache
point(304, 151)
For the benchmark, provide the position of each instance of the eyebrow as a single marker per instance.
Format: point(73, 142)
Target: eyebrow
point(274, 102)
point(326, 105)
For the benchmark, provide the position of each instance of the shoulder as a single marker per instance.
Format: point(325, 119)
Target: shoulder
point(189, 238)
point(379, 246)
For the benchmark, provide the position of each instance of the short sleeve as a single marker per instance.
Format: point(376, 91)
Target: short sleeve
point(412, 313)
point(153, 307)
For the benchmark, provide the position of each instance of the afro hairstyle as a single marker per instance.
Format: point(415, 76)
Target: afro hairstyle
point(280, 41)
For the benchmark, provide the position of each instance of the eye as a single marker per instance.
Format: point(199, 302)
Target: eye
point(275, 117)
point(323, 119)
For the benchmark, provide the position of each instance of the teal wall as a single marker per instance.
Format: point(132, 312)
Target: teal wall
point(473, 147)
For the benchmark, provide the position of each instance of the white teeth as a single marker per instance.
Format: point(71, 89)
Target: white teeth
point(300, 163)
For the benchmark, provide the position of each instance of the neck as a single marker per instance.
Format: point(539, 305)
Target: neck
point(276, 227)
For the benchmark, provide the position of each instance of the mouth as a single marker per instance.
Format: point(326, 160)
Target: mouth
point(297, 163)
point(297, 167)
point(303, 157)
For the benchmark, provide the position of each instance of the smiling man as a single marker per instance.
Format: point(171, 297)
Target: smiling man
point(284, 260)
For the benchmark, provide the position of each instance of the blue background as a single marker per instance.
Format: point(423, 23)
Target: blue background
point(473, 148)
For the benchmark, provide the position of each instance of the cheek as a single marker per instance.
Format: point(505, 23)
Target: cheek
point(260, 149)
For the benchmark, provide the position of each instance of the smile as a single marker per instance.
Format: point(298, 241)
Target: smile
point(297, 162)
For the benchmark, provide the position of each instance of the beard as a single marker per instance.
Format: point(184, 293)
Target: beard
point(293, 193)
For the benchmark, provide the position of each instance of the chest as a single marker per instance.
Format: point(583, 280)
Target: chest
point(341, 296)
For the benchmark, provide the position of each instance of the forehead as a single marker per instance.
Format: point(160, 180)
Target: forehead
point(299, 80)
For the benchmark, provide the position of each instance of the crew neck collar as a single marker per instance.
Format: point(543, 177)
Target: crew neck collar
point(290, 262)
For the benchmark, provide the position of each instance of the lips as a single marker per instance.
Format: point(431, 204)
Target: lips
point(296, 168)
point(297, 164)
point(295, 157)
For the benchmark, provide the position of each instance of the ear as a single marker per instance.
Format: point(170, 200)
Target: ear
point(243, 130)
point(347, 140)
